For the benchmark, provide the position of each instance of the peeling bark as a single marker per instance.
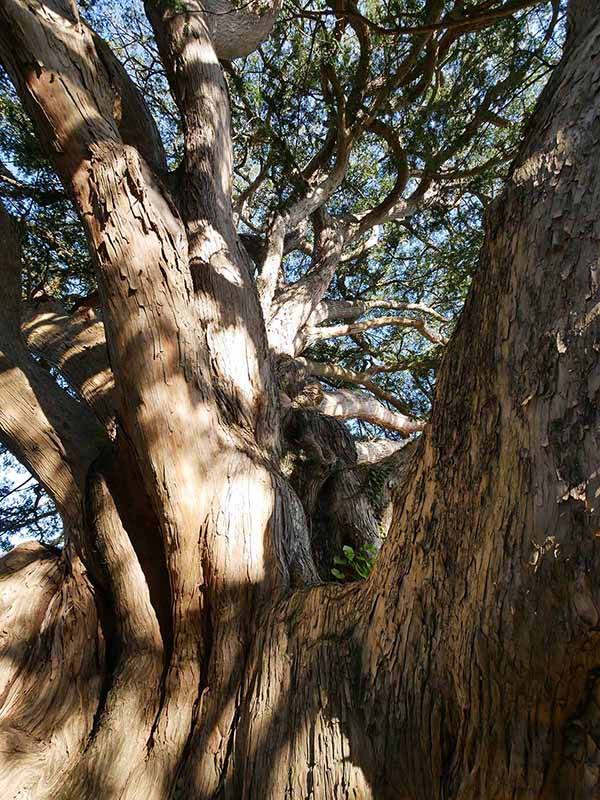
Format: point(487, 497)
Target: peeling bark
point(182, 641)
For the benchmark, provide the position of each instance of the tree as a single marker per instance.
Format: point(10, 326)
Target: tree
point(181, 643)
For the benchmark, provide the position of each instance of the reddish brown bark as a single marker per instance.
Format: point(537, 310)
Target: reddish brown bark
point(181, 644)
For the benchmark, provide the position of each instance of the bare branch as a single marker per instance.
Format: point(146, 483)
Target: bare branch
point(333, 331)
point(371, 452)
point(48, 432)
point(244, 196)
point(380, 212)
point(347, 404)
point(402, 209)
point(321, 182)
point(136, 124)
point(363, 247)
point(352, 309)
point(364, 379)
point(325, 184)
point(294, 304)
point(271, 266)
point(76, 345)
point(480, 17)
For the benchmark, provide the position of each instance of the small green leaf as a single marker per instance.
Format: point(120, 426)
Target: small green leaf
point(348, 552)
point(362, 571)
point(340, 560)
point(337, 574)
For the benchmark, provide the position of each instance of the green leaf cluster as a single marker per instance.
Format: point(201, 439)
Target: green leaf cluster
point(353, 564)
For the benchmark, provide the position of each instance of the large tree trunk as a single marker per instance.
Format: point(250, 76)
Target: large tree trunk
point(181, 645)
point(467, 666)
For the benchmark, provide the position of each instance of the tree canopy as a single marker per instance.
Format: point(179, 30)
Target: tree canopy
point(367, 144)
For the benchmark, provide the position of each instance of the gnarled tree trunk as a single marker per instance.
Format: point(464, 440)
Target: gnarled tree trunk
point(181, 644)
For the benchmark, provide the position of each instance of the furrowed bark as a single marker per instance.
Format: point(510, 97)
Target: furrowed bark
point(466, 667)
point(244, 493)
point(498, 595)
point(46, 430)
point(166, 397)
point(135, 650)
point(51, 668)
point(74, 344)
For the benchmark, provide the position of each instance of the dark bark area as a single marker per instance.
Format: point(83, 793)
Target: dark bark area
point(320, 462)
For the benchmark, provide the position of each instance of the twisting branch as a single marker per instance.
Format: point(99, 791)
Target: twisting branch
point(380, 211)
point(323, 183)
point(136, 124)
point(333, 331)
point(196, 80)
point(244, 196)
point(347, 404)
point(364, 247)
point(352, 309)
point(51, 434)
point(365, 379)
point(401, 209)
point(481, 16)
point(294, 304)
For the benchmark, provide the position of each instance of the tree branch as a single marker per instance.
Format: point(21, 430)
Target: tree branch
point(76, 345)
point(473, 21)
point(51, 434)
point(346, 404)
point(271, 267)
point(333, 331)
point(295, 303)
point(370, 452)
point(380, 211)
point(364, 379)
point(196, 80)
point(352, 309)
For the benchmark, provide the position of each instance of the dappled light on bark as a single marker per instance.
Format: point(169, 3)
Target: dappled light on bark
point(187, 641)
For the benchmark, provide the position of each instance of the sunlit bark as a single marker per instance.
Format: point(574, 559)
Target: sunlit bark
point(182, 640)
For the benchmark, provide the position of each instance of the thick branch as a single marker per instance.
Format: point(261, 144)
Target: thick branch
point(76, 345)
point(352, 309)
point(270, 271)
point(295, 303)
point(379, 213)
point(370, 452)
point(50, 433)
point(333, 331)
point(336, 373)
point(196, 80)
point(346, 404)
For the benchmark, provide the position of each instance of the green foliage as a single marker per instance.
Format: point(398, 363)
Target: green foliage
point(458, 122)
point(25, 509)
point(353, 564)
